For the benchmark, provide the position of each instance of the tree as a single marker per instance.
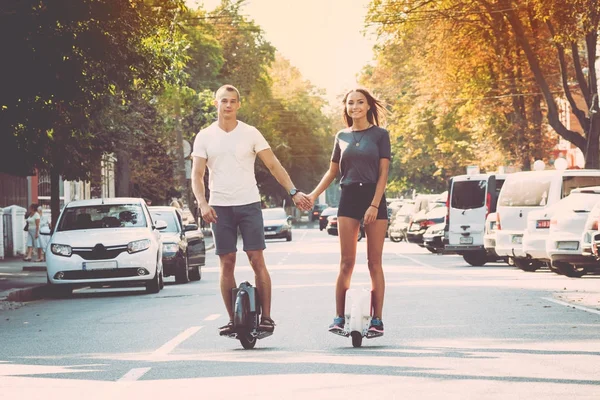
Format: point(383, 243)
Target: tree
point(68, 60)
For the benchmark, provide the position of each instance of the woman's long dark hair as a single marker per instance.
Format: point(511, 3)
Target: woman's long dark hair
point(376, 108)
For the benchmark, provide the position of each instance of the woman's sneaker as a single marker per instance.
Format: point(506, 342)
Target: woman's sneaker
point(338, 325)
point(376, 328)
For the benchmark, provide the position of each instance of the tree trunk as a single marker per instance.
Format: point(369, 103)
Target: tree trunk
point(592, 153)
point(54, 195)
point(122, 174)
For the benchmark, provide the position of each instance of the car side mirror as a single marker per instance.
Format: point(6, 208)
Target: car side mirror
point(160, 224)
point(190, 227)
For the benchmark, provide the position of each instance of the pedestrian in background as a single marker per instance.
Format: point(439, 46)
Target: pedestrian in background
point(44, 236)
point(33, 232)
point(361, 152)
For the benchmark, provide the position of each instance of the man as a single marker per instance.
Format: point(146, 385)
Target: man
point(229, 148)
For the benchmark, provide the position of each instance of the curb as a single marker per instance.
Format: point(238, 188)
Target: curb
point(27, 294)
point(37, 268)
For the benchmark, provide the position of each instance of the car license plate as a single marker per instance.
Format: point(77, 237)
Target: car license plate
point(270, 233)
point(91, 266)
point(567, 245)
point(466, 240)
point(517, 239)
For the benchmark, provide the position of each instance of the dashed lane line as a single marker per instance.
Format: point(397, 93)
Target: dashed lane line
point(134, 374)
point(582, 308)
point(176, 341)
point(212, 317)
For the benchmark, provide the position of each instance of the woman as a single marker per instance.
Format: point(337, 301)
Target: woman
point(33, 233)
point(44, 237)
point(362, 154)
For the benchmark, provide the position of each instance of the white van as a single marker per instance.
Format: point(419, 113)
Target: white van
point(524, 192)
point(470, 199)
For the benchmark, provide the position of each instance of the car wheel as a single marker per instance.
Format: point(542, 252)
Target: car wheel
point(432, 249)
point(153, 286)
point(526, 264)
point(571, 270)
point(196, 273)
point(475, 258)
point(395, 239)
point(289, 237)
point(161, 278)
point(182, 273)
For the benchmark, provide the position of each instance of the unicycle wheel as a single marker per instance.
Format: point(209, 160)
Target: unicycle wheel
point(356, 338)
point(248, 341)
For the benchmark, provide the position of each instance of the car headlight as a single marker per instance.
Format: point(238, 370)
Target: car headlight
point(138, 245)
point(438, 232)
point(61, 250)
point(170, 247)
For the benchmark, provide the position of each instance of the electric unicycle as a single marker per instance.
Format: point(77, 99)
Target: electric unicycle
point(358, 312)
point(246, 316)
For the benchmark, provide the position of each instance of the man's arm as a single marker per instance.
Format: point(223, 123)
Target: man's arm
point(198, 167)
point(272, 163)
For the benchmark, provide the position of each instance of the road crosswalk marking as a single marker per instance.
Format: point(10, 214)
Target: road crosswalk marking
point(177, 340)
point(134, 374)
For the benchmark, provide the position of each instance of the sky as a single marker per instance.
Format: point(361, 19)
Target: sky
point(322, 38)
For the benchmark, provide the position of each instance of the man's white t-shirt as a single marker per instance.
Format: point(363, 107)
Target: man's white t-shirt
point(230, 158)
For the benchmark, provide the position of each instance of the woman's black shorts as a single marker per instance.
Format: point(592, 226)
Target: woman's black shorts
point(356, 199)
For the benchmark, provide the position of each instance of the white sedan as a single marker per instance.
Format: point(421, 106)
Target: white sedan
point(105, 242)
point(564, 244)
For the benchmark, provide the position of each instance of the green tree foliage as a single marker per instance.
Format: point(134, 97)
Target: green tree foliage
point(67, 59)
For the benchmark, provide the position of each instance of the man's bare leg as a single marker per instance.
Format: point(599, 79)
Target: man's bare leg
point(263, 280)
point(227, 280)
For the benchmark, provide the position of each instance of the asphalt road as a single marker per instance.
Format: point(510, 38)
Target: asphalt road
point(452, 331)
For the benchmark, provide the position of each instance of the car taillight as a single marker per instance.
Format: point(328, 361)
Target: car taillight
point(553, 221)
point(595, 225)
point(542, 224)
point(498, 225)
point(488, 204)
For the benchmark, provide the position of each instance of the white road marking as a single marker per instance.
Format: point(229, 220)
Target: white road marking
point(212, 317)
point(134, 375)
point(562, 303)
point(415, 260)
point(176, 341)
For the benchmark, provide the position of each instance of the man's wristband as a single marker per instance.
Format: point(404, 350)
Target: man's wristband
point(373, 206)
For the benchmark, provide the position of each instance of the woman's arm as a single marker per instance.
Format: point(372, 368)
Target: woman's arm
point(371, 213)
point(329, 176)
point(37, 227)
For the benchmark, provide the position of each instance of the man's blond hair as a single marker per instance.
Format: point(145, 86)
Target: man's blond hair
point(227, 88)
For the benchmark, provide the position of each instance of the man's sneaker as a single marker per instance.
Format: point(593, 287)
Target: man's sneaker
point(226, 330)
point(376, 328)
point(338, 325)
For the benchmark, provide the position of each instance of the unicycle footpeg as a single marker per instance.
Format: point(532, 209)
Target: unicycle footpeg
point(263, 334)
point(373, 335)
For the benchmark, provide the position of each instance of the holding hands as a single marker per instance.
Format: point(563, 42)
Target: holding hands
point(302, 201)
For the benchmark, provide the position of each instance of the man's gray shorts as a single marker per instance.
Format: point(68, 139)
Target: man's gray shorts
point(248, 218)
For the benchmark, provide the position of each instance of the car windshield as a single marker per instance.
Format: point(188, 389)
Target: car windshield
point(467, 195)
point(102, 216)
point(274, 213)
point(526, 191)
point(572, 182)
point(167, 216)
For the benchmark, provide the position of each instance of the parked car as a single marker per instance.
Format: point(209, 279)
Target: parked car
point(471, 198)
point(111, 241)
point(397, 230)
point(563, 246)
point(400, 221)
point(422, 221)
point(433, 238)
point(326, 213)
point(332, 227)
point(184, 250)
point(489, 237)
point(525, 192)
point(277, 223)
point(316, 211)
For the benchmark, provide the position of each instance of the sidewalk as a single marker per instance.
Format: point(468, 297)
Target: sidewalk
point(22, 281)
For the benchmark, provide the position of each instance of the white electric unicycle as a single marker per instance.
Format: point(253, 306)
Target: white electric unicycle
point(358, 312)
